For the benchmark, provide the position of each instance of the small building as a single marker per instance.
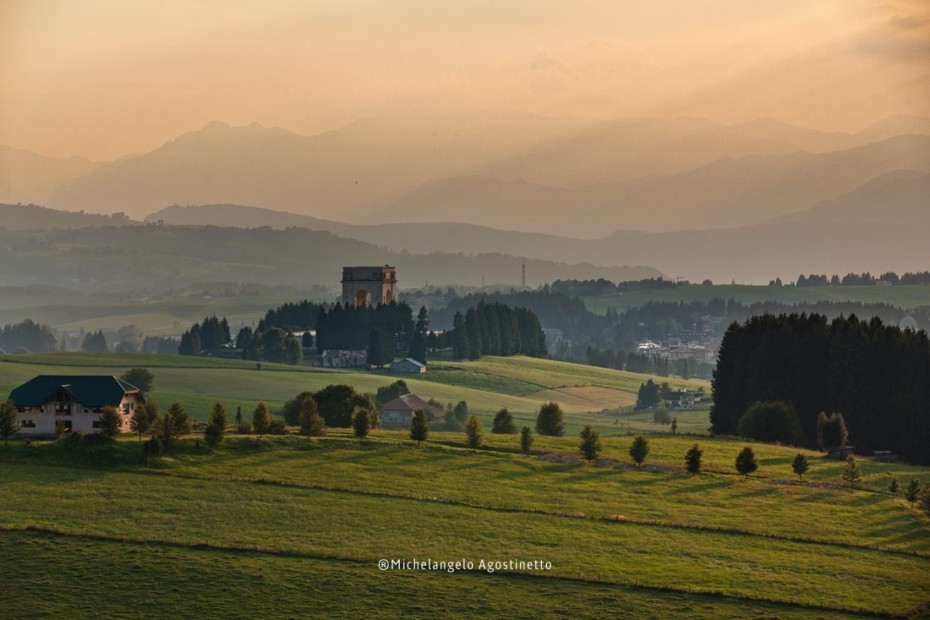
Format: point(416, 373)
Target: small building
point(344, 358)
point(684, 399)
point(885, 456)
point(397, 413)
point(74, 401)
point(408, 365)
point(840, 454)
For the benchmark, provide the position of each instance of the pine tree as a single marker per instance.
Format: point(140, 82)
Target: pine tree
point(419, 426)
point(639, 450)
point(459, 337)
point(503, 423)
point(894, 486)
point(800, 466)
point(361, 423)
point(7, 420)
point(913, 491)
point(143, 417)
point(550, 420)
point(851, 472)
point(526, 439)
point(590, 443)
point(261, 419)
point(216, 429)
point(746, 462)
point(473, 433)
point(693, 459)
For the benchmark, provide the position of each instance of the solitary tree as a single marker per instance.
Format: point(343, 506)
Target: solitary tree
point(550, 420)
point(639, 450)
point(894, 486)
point(7, 420)
point(693, 459)
point(913, 491)
point(311, 422)
point(419, 426)
point(473, 433)
point(139, 377)
point(674, 426)
point(361, 423)
point(800, 466)
point(176, 422)
point(216, 429)
point(503, 423)
point(110, 422)
point(746, 462)
point(526, 439)
point(261, 419)
point(851, 471)
point(590, 443)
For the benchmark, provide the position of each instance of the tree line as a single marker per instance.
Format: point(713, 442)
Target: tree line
point(496, 329)
point(862, 279)
point(877, 376)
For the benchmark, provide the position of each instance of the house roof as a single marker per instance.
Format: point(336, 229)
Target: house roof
point(410, 360)
point(89, 390)
point(411, 402)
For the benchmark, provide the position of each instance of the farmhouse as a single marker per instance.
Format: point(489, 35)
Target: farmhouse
point(408, 365)
point(398, 412)
point(73, 401)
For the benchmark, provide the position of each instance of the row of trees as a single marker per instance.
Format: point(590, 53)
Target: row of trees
point(206, 336)
point(863, 279)
point(875, 374)
point(496, 329)
point(27, 336)
point(272, 344)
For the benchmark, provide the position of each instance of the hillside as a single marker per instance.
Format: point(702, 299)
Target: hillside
point(28, 177)
point(157, 258)
point(655, 542)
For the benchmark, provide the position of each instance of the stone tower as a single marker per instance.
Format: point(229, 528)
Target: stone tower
point(368, 286)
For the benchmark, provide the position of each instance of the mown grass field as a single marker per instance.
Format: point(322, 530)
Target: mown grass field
point(520, 384)
point(286, 526)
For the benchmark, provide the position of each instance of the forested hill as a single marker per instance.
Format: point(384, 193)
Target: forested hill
point(151, 258)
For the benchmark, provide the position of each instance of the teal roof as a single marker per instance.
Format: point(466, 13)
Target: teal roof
point(89, 390)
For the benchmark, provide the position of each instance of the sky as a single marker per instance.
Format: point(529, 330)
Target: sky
point(107, 78)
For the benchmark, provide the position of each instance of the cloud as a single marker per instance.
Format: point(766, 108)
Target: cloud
point(902, 37)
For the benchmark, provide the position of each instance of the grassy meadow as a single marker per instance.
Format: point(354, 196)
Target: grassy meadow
point(289, 527)
point(596, 396)
point(301, 517)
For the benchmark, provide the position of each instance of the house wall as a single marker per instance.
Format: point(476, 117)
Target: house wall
point(82, 418)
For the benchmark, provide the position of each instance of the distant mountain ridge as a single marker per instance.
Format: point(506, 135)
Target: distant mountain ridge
point(573, 176)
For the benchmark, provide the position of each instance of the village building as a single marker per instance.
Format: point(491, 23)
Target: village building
point(409, 365)
point(396, 414)
point(344, 358)
point(368, 286)
point(75, 402)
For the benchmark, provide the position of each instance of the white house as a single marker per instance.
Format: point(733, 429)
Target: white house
point(74, 401)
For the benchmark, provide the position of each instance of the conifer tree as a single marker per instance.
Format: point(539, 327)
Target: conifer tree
point(361, 423)
point(590, 443)
point(526, 439)
point(746, 462)
point(473, 432)
point(216, 429)
point(419, 426)
point(639, 450)
point(261, 419)
point(503, 423)
point(693, 459)
point(852, 472)
point(800, 465)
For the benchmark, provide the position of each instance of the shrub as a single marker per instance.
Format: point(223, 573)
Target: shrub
point(693, 459)
point(831, 431)
point(551, 420)
point(639, 450)
point(110, 422)
point(503, 423)
point(771, 421)
point(746, 462)
point(660, 416)
point(277, 427)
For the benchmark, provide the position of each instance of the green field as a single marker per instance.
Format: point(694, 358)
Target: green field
point(909, 296)
point(520, 384)
point(290, 527)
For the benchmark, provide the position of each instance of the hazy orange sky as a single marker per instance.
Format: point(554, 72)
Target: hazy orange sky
point(105, 78)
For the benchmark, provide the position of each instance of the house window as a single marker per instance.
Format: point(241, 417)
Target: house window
point(29, 423)
point(97, 424)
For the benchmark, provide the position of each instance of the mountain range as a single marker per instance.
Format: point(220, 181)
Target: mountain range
point(563, 176)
